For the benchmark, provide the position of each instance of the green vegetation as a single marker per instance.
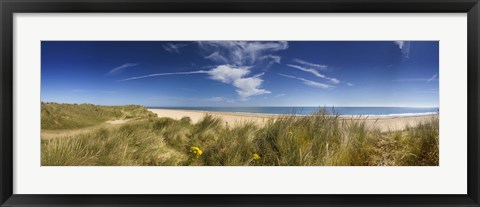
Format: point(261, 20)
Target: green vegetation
point(319, 140)
point(74, 116)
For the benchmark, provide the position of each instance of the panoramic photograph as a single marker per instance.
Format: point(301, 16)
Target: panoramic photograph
point(240, 103)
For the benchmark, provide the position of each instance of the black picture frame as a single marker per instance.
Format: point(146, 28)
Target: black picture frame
point(10, 7)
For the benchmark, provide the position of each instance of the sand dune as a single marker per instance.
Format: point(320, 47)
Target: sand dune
point(230, 118)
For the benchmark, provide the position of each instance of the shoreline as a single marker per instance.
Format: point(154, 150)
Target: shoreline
point(263, 115)
point(384, 123)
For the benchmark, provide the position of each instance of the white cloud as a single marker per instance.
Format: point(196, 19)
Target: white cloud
point(246, 86)
point(120, 69)
point(173, 48)
point(315, 72)
point(404, 46)
point(236, 60)
point(334, 80)
point(314, 65)
point(399, 43)
point(350, 84)
point(241, 53)
point(309, 82)
point(228, 74)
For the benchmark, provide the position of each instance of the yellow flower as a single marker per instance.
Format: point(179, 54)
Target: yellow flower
point(197, 151)
point(256, 156)
point(290, 133)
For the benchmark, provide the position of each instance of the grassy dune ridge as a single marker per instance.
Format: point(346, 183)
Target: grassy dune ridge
point(318, 140)
point(74, 116)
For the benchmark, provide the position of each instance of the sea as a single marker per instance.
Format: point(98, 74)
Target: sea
point(341, 111)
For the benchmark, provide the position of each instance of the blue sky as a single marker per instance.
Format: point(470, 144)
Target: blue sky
point(239, 73)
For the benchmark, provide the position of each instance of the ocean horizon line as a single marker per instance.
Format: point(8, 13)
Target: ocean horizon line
point(151, 106)
point(286, 106)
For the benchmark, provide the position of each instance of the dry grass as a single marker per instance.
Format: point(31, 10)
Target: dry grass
point(73, 116)
point(317, 140)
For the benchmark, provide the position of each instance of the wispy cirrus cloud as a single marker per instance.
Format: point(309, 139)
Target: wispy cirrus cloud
point(121, 68)
point(313, 65)
point(280, 95)
point(235, 76)
point(242, 53)
point(434, 77)
point(426, 80)
point(216, 57)
point(315, 72)
point(404, 46)
point(350, 84)
point(236, 60)
point(164, 74)
point(172, 47)
point(309, 82)
point(270, 60)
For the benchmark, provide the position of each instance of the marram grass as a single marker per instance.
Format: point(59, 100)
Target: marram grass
point(73, 116)
point(318, 140)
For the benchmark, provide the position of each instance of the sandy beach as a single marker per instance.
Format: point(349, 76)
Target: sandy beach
point(232, 119)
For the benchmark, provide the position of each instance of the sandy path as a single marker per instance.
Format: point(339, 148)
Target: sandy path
point(119, 121)
point(384, 123)
point(49, 134)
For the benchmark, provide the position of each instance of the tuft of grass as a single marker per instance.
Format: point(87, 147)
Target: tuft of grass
point(133, 144)
point(420, 144)
point(67, 152)
point(322, 139)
